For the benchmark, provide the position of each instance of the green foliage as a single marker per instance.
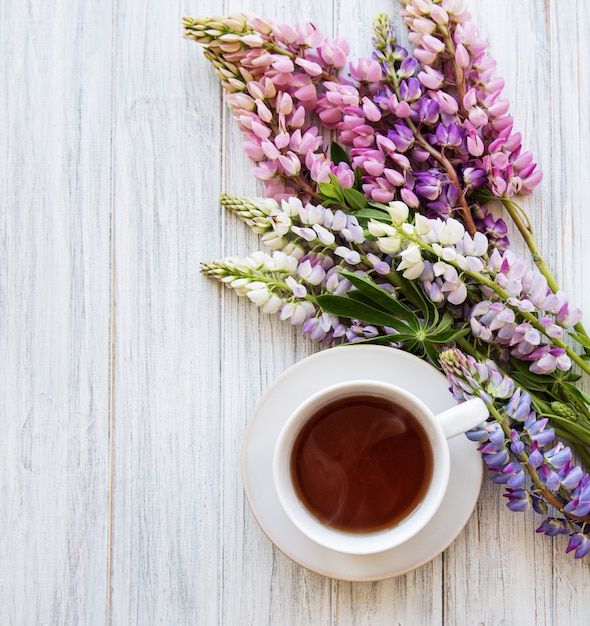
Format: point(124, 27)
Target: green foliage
point(421, 334)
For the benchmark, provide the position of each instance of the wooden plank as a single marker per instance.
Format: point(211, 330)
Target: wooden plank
point(167, 495)
point(568, 162)
point(54, 312)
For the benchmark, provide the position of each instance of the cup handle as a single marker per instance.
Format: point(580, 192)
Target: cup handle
point(463, 417)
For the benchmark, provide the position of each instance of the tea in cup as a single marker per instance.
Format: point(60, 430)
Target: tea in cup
point(362, 466)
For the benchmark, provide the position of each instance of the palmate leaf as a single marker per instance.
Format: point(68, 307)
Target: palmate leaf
point(369, 213)
point(351, 308)
point(417, 296)
point(382, 299)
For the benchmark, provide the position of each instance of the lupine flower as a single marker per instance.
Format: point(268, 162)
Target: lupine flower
point(511, 445)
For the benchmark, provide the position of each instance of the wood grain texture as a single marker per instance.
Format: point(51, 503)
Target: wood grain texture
point(54, 313)
point(128, 377)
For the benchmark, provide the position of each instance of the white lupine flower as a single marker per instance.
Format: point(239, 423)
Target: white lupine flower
point(284, 262)
point(339, 221)
point(475, 264)
point(239, 284)
point(352, 257)
point(259, 296)
point(353, 231)
point(458, 294)
point(297, 312)
point(324, 235)
point(253, 285)
point(273, 241)
point(380, 229)
point(265, 205)
point(412, 262)
point(293, 249)
point(422, 224)
point(398, 212)
point(332, 282)
point(287, 311)
point(313, 274)
point(301, 312)
point(328, 218)
point(479, 331)
point(281, 222)
point(389, 245)
point(304, 214)
point(451, 232)
point(450, 254)
point(258, 259)
point(292, 205)
point(439, 268)
point(476, 246)
point(272, 305)
point(315, 214)
point(308, 234)
point(298, 289)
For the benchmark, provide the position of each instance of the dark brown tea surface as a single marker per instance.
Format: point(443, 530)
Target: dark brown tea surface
point(361, 463)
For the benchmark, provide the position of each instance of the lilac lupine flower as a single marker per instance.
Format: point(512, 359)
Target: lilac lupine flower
point(273, 76)
point(580, 543)
point(491, 138)
point(527, 291)
point(512, 443)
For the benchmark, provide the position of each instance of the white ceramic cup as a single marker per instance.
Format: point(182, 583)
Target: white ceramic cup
point(439, 428)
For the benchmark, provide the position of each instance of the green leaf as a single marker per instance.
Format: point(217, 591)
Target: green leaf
point(358, 178)
point(354, 309)
point(328, 191)
point(383, 299)
point(338, 154)
point(583, 340)
point(445, 324)
point(573, 429)
point(449, 336)
point(378, 205)
point(388, 339)
point(432, 353)
point(417, 296)
point(354, 199)
point(377, 214)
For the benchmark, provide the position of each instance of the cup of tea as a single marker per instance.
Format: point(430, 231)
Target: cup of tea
point(361, 467)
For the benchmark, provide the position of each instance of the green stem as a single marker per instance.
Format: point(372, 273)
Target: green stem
point(523, 225)
point(547, 494)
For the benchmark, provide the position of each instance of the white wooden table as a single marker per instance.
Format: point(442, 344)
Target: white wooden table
point(127, 377)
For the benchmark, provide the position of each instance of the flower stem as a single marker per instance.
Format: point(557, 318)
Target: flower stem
point(393, 79)
point(547, 494)
point(524, 227)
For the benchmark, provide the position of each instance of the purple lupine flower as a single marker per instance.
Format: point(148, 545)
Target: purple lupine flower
point(579, 542)
point(511, 445)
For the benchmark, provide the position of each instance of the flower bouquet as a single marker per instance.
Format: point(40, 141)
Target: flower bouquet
point(378, 177)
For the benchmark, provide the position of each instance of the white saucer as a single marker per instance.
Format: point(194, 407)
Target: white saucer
point(308, 376)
